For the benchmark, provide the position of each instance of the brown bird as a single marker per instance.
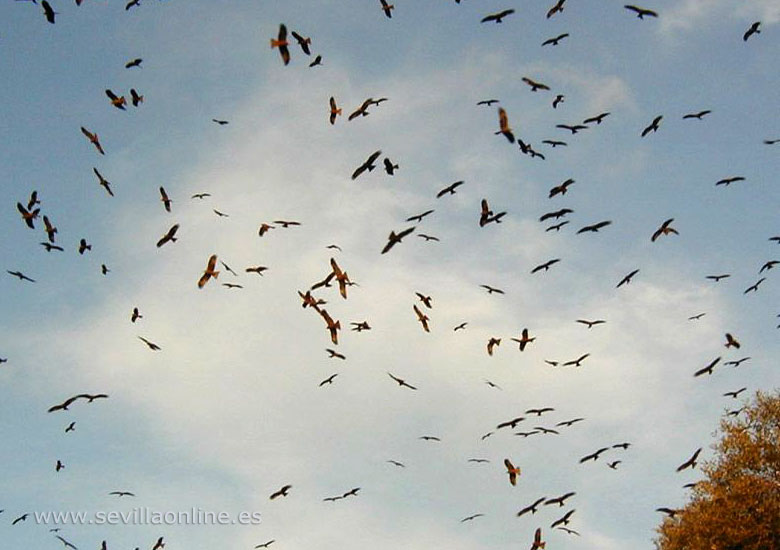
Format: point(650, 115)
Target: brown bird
point(641, 12)
point(497, 17)
point(535, 86)
point(152, 345)
point(28, 215)
point(387, 8)
point(209, 272)
point(103, 182)
point(21, 276)
point(51, 230)
point(450, 189)
point(503, 125)
point(557, 8)
point(665, 229)
point(302, 42)
point(766, 267)
point(256, 269)
point(401, 382)
point(562, 521)
point(367, 165)
point(118, 102)
point(524, 340)
point(533, 508)
point(557, 214)
point(317, 61)
point(731, 342)
point(83, 246)
point(394, 238)
point(333, 326)
point(597, 119)
point(334, 354)
point(593, 456)
point(419, 217)
point(577, 362)
point(512, 470)
point(426, 300)
point(334, 110)
point(135, 98)
point(281, 492)
point(169, 236)
point(538, 542)
point(328, 380)
point(93, 139)
point(422, 318)
point(491, 344)
point(691, 462)
point(281, 42)
point(390, 168)
point(165, 200)
point(561, 189)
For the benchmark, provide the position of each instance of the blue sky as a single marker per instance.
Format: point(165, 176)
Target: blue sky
point(230, 409)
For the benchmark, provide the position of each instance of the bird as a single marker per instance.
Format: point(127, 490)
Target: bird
point(200, 195)
point(691, 462)
point(93, 139)
point(170, 236)
point(152, 345)
point(256, 269)
point(591, 324)
point(561, 189)
point(571, 422)
point(717, 278)
point(232, 285)
point(266, 544)
point(387, 8)
point(83, 246)
point(132, 4)
point(572, 128)
point(766, 267)
point(731, 342)
point(281, 492)
point(471, 517)
point(422, 318)
point(117, 101)
point(103, 182)
point(104, 269)
point(535, 86)
point(48, 12)
point(161, 544)
point(426, 300)
point(562, 521)
point(394, 238)
point(401, 382)
point(428, 237)
point(557, 101)
point(317, 61)
point(668, 511)
point(708, 369)
point(328, 380)
point(539, 412)
point(21, 276)
point(228, 268)
point(593, 228)
point(557, 226)
point(728, 181)
point(557, 8)
point(58, 466)
point(333, 326)
point(396, 463)
point(209, 272)
point(334, 110)
point(419, 217)
point(653, 126)
point(569, 531)
point(497, 17)
point(71, 427)
point(28, 216)
point(696, 317)
point(560, 501)
point(627, 279)
point(598, 119)
point(736, 362)
point(512, 470)
point(754, 29)
point(220, 122)
point(134, 63)
point(533, 508)
point(122, 493)
point(510, 423)
point(65, 542)
point(165, 200)
point(23, 517)
point(641, 12)
point(429, 438)
point(698, 115)
point(487, 102)
point(390, 168)
point(492, 343)
point(333, 354)
point(554, 143)
point(367, 165)
point(491, 290)
point(754, 287)
point(538, 542)
point(734, 394)
point(503, 125)
point(557, 214)
point(281, 42)
point(302, 42)
point(613, 465)
point(665, 229)
point(593, 456)
point(546, 265)
point(361, 326)
point(524, 340)
point(450, 189)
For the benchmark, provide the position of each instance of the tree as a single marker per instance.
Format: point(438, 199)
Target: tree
point(737, 505)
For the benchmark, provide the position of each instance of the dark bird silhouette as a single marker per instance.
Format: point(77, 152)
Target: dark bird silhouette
point(334, 110)
point(556, 215)
point(593, 456)
point(471, 517)
point(422, 318)
point(736, 362)
point(503, 125)
point(510, 423)
point(533, 508)
point(594, 227)
point(571, 422)
point(317, 61)
point(71, 427)
point(535, 86)
point(512, 470)
point(690, 463)
point(492, 343)
point(668, 511)
point(591, 324)
point(132, 4)
point(653, 126)
point(561, 189)
point(103, 182)
point(396, 463)
point(554, 143)
point(135, 315)
point(117, 101)
point(161, 544)
point(232, 285)
point(557, 226)
point(577, 362)
point(200, 195)
point(641, 12)
point(419, 217)
point(266, 544)
point(696, 317)
point(557, 101)
point(165, 200)
point(333, 354)
point(754, 29)
point(104, 269)
point(401, 382)
point(560, 501)
point(427, 237)
point(717, 278)
point(48, 12)
point(65, 542)
point(487, 102)
point(572, 128)
point(562, 521)
point(557, 8)
point(152, 345)
point(539, 412)
point(328, 380)
point(367, 165)
point(23, 517)
point(390, 168)
point(708, 369)
point(497, 17)
point(49, 247)
point(59, 466)
point(256, 269)
point(546, 265)
point(597, 119)
point(627, 279)
point(449, 189)
point(731, 342)
point(538, 542)
point(122, 494)
point(281, 492)
point(698, 116)
point(754, 287)
point(766, 267)
point(134, 63)
point(93, 139)
point(170, 236)
point(281, 42)
point(461, 326)
point(734, 394)
point(569, 531)
point(491, 290)
point(665, 229)
point(426, 300)
point(220, 122)
point(387, 8)
point(228, 268)
point(28, 216)
point(302, 42)
point(394, 238)
point(21, 276)
point(135, 98)
point(728, 181)
point(83, 246)
point(429, 438)
point(209, 272)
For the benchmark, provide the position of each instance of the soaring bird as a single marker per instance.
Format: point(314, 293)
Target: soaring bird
point(691, 462)
point(538, 542)
point(209, 272)
point(28, 215)
point(734, 394)
point(117, 101)
point(524, 339)
point(593, 228)
point(754, 286)
point(698, 115)
point(546, 265)
point(333, 354)
point(401, 382)
point(653, 126)
point(134, 63)
point(65, 542)
point(557, 214)
point(665, 229)
point(594, 456)
point(170, 236)
point(627, 279)
point(641, 12)
point(503, 125)
point(754, 29)
point(103, 182)
point(122, 493)
point(165, 200)
point(487, 102)
point(317, 61)
point(93, 139)
point(419, 217)
point(152, 345)
point(422, 318)
point(491, 289)
point(426, 300)
point(497, 17)
point(450, 189)
point(572, 128)
point(302, 42)
point(334, 110)
point(535, 86)
point(471, 517)
point(281, 492)
point(135, 315)
point(395, 238)
point(281, 42)
point(557, 101)
point(48, 12)
point(83, 246)
point(708, 369)
point(557, 8)
point(591, 324)
point(135, 98)
point(328, 380)
point(512, 470)
point(49, 247)
point(390, 168)
point(731, 342)
point(597, 119)
point(562, 521)
point(533, 508)
point(560, 501)
point(367, 165)
point(387, 8)
point(492, 343)
point(561, 189)
point(728, 181)
point(577, 362)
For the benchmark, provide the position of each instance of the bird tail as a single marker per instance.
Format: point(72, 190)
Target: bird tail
point(276, 43)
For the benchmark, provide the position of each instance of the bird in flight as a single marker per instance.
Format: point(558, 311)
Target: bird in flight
point(28, 216)
point(560, 501)
point(367, 165)
point(334, 110)
point(328, 380)
point(561, 189)
point(220, 122)
point(117, 101)
point(281, 492)
point(394, 238)
point(21, 276)
point(65, 542)
point(387, 8)
point(653, 126)
point(165, 200)
point(591, 324)
point(302, 42)
point(641, 12)
point(754, 29)
point(734, 394)
point(731, 342)
point(538, 542)
point(122, 493)
point(93, 139)
point(450, 189)
point(503, 125)
point(708, 369)
point(402, 383)
point(665, 229)
point(266, 544)
point(134, 63)
point(557, 8)
point(627, 279)
point(422, 318)
point(497, 17)
point(597, 119)
point(48, 12)
point(691, 462)
point(593, 228)
point(546, 265)
point(754, 287)
point(577, 362)
point(535, 86)
point(728, 181)
point(209, 272)
point(512, 470)
point(419, 217)
point(533, 508)
point(698, 116)
point(170, 236)
point(471, 517)
point(492, 342)
point(281, 42)
point(487, 102)
point(152, 345)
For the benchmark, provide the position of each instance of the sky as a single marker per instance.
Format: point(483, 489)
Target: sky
point(230, 409)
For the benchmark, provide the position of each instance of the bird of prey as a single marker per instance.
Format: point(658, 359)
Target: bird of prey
point(200, 195)
point(691, 462)
point(152, 345)
point(23, 517)
point(21, 276)
point(422, 318)
point(281, 492)
point(696, 317)
point(48, 12)
point(546, 265)
point(429, 438)
point(83, 246)
point(396, 463)
point(560, 501)
point(737, 362)
point(729, 181)
point(328, 380)
point(134, 63)
point(59, 466)
point(104, 269)
point(118, 102)
point(562, 521)
point(428, 237)
point(103, 182)
point(593, 228)
point(591, 324)
point(708, 369)
point(539, 412)
point(394, 238)
point(362, 110)
point(535, 86)
point(533, 508)
point(668, 511)
point(135, 315)
point(93, 139)
point(132, 4)
point(161, 544)
point(461, 326)
point(135, 98)
point(572, 128)
point(122, 493)
point(361, 326)
point(734, 394)
point(597, 119)
point(512, 470)
point(554, 143)
point(665, 229)
point(471, 517)
point(717, 278)
point(165, 200)
point(503, 125)
point(317, 61)
point(653, 126)
point(492, 343)
point(232, 285)
point(256, 269)
point(510, 423)
point(333, 326)
point(569, 531)
point(538, 542)
point(613, 465)
point(557, 101)
point(209, 272)
point(486, 215)
point(65, 542)
point(266, 544)
point(387, 8)
point(170, 236)
point(561, 189)
point(401, 382)
point(698, 116)
point(281, 42)
point(627, 279)
point(390, 168)
point(487, 102)
point(491, 290)
point(302, 42)
point(557, 214)
point(367, 165)
point(28, 215)
point(766, 267)
point(641, 12)
point(771, 141)
point(593, 456)
point(426, 300)
point(449, 189)
point(557, 226)
point(754, 29)
point(577, 362)
point(497, 17)
point(220, 122)
point(334, 110)
point(478, 460)
point(754, 287)
point(557, 8)
point(334, 354)
point(71, 427)
point(731, 342)
point(419, 217)
point(571, 422)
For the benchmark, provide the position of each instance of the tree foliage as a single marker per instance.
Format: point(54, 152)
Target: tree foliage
point(737, 505)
